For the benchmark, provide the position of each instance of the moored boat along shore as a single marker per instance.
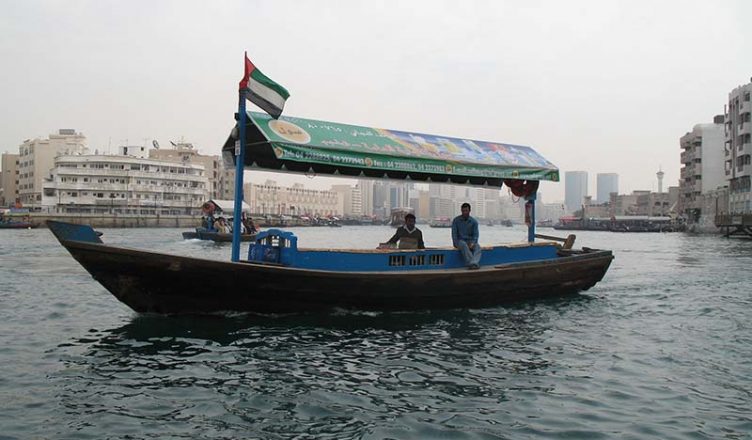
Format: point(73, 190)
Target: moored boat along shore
point(39, 219)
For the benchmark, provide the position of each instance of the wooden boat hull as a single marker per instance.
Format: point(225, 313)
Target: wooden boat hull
point(170, 284)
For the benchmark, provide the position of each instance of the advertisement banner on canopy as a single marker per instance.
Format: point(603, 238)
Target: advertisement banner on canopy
point(306, 140)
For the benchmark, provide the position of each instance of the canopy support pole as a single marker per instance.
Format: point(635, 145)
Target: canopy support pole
point(239, 167)
point(530, 216)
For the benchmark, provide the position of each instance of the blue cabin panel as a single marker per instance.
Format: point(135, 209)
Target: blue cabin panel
point(275, 246)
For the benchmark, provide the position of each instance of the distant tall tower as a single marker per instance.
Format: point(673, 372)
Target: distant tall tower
point(607, 183)
point(660, 174)
point(575, 189)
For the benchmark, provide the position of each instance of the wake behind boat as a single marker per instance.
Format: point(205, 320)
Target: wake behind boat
point(277, 277)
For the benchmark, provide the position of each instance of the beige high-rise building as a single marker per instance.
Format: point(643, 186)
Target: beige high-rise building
point(738, 158)
point(702, 171)
point(8, 179)
point(37, 158)
point(352, 200)
point(221, 179)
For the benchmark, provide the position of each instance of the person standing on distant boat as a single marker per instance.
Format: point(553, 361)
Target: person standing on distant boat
point(247, 222)
point(465, 237)
point(408, 235)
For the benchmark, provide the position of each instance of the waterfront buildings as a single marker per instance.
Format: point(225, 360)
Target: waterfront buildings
point(639, 202)
point(575, 190)
point(270, 198)
point(221, 179)
point(606, 183)
point(702, 171)
point(37, 157)
point(738, 147)
point(124, 184)
point(8, 179)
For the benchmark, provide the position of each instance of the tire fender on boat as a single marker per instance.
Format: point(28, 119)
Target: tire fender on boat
point(522, 188)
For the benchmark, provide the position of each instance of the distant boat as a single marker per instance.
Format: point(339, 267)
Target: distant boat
point(441, 222)
point(13, 224)
point(548, 223)
point(626, 223)
point(397, 216)
point(506, 222)
point(200, 234)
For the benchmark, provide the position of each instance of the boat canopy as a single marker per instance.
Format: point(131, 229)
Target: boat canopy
point(298, 145)
point(227, 207)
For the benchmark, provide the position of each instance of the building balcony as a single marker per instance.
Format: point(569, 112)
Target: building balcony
point(65, 171)
point(745, 107)
point(133, 174)
point(165, 189)
point(687, 171)
point(687, 156)
point(88, 186)
point(743, 128)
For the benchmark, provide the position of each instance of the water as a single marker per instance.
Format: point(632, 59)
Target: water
point(660, 348)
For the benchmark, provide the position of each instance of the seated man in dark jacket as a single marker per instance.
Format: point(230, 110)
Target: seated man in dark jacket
point(408, 235)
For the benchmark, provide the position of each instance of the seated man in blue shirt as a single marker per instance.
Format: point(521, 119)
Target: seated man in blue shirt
point(465, 237)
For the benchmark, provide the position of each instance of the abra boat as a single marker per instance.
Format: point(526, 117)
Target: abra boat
point(211, 210)
point(204, 234)
point(441, 222)
point(17, 225)
point(277, 277)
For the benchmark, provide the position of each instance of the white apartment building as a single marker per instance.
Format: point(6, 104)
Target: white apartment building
point(702, 160)
point(8, 179)
point(37, 158)
point(575, 190)
point(606, 183)
point(271, 198)
point(221, 179)
point(117, 184)
point(738, 147)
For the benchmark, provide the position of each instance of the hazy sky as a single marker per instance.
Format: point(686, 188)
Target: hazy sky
point(599, 86)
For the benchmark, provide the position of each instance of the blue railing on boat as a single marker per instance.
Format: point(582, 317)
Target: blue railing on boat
point(275, 246)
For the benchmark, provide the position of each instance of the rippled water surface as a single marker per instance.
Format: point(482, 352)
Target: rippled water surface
point(661, 348)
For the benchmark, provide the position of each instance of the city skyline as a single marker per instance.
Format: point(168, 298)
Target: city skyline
point(586, 87)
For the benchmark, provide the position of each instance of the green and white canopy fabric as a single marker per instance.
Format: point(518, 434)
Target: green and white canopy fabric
point(300, 145)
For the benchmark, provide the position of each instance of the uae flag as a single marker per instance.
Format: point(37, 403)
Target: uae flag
point(262, 91)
